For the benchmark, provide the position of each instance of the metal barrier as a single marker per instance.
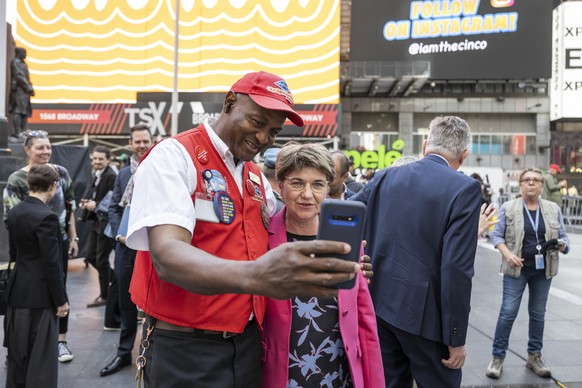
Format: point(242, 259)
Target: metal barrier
point(572, 210)
point(501, 199)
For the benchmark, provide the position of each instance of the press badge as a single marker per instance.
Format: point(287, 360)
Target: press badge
point(205, 209)
point(539, 258)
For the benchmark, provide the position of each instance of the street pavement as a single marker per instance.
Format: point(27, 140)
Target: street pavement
point(93, 347)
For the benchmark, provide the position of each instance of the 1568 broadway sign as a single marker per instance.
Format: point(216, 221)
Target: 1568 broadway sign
point(376, 159)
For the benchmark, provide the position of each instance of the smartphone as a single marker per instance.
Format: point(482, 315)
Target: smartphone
point(343, 221)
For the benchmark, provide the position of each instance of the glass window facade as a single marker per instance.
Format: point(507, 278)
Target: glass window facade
point(487, 144)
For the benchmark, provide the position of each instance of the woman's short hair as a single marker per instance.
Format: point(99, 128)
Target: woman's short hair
point(530, 169)
point(294, 156)
point(34, 134)
point(41, 177)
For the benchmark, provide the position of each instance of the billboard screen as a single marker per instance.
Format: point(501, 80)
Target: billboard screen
point(462, 39)
point(82, 51)
point(566, 85)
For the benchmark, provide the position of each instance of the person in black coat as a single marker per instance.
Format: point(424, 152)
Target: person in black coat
point(36, 295)
point(99, 245)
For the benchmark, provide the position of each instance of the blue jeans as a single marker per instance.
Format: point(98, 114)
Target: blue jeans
point(513, 289)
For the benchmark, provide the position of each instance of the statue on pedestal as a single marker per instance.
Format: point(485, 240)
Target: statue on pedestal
point(20, 92)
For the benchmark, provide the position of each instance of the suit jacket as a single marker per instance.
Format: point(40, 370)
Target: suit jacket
point(36, 245)
point(421, 229)
point(357, 325)
point(116, 211)
point(106, 183)
point(353, 185)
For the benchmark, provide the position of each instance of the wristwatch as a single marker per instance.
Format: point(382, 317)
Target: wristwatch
point(75, 239)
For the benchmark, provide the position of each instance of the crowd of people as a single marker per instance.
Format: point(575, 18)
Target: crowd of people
point(220, 256)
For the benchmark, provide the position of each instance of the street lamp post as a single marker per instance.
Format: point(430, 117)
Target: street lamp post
point(3, 80)
point(174, 108)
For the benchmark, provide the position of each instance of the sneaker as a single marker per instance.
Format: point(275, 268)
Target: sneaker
point(494, 369)
point(535, 363)
point(112, 328)
point(65, 354)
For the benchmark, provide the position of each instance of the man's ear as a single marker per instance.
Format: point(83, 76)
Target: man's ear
point(463, 157)
point(229, 101)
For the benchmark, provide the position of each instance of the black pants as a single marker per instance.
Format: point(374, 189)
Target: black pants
point(185, 360)
point(98, 249)
point(124, 261)
point(31, 339)
point(406, 356)
point(112, 313)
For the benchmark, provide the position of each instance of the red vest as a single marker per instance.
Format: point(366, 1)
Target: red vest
point(244, 239)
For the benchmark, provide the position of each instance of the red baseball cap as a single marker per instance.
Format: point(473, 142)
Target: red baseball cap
point(556, 167)
point(268, 91)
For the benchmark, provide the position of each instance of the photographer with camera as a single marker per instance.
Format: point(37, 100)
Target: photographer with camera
point(485, 188)
point(530, 234)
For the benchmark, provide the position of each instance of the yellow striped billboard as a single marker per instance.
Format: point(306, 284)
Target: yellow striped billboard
point(83, 51)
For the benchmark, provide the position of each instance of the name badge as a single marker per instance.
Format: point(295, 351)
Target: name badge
point(540, 263)
point(205, 209)
point(254, 177)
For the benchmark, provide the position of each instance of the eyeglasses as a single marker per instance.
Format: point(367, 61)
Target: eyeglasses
point(36, 134)
point(531, 180)
point(317, 186)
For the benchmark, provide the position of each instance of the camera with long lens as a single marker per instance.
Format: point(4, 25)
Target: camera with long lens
point(553, 244)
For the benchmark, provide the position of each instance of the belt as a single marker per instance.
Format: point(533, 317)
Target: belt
point(163, 325)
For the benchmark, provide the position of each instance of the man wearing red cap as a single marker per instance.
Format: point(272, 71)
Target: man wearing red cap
point(552, 185)
point(199, 217)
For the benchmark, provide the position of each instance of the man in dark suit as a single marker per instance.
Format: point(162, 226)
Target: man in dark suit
point(99, 245)
point(140, 142)
point(36, 295)
point(421, 230)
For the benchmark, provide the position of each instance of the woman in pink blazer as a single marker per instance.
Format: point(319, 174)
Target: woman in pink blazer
point(308, 341)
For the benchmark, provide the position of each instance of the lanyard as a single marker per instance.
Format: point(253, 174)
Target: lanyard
point(535, 225)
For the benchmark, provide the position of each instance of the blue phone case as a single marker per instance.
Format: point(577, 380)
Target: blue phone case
point(343, 221)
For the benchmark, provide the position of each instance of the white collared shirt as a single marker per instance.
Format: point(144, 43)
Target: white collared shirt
point(163, 186)
point(442, 157)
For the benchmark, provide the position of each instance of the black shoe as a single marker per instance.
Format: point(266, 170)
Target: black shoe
point(99, 301)
point(115, 366)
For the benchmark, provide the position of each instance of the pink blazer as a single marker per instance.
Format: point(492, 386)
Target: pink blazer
point(357, 322)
